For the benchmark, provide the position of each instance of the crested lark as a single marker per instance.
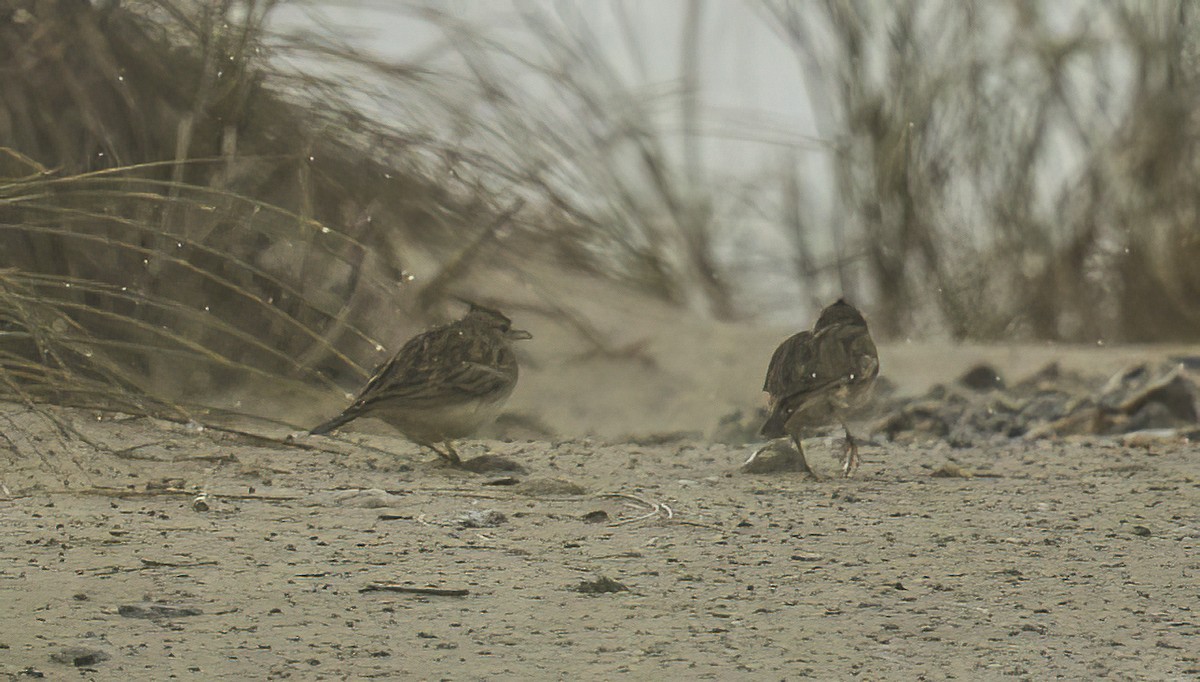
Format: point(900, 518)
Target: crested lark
point(445, 383)
point(817, 377)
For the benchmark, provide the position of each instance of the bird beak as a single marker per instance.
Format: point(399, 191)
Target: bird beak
point(518, 335)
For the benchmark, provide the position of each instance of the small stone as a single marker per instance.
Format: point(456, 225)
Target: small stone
point(982, 377)
point(487, 518)
point(370, 498)
point(598, 516)
point(1175, 393)
point(950, 470)
point(601, 585)
point(78, 656)
point(156, 611)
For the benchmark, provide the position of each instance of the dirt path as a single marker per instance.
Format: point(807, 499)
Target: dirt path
point(1078, 560)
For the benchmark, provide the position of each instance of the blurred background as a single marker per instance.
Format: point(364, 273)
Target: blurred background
point(242, 207)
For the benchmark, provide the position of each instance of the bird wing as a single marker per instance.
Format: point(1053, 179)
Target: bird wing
point(787, 364)
point(864, 358)
point(844, 354)
point(421, 373)
point(808, 368)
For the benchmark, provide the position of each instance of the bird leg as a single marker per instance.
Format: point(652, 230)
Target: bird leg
point(849, 454)
point(449, 454)
point(801, 462)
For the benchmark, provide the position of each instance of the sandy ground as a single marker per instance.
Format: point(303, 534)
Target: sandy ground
point(1077, 560)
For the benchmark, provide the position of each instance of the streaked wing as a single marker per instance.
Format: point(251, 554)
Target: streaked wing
point(786, 369)
point(442, 386)
point(815, 375)
point(439, 367)
point(810, 367)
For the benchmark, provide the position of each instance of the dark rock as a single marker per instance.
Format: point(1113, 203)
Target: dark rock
point(1151, 416)
point(597, 516)
point(1174, 391)
point(601, 585)
point(1126, 379)
point(1051, 402)
point(925, 417)
point(936, 392)
point(982, 377)
point(157, 611)
point(78, 656)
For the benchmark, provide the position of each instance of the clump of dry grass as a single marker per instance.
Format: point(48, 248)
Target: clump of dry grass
point(184, 221)
point(1015, 169)
point(205, 220)
point(174, 230)
point(116, 298)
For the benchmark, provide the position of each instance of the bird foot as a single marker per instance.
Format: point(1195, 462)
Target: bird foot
point(448, 455)
point(850, 458)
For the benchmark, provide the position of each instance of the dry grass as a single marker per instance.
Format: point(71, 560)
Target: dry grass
point(186, 209)
point(173, 230)
point(1015, 169)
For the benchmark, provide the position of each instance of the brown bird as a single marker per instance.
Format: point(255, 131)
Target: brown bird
point(445, 383)
point(816, 377)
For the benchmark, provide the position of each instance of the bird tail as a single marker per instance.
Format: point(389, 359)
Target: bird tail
point(334, 423)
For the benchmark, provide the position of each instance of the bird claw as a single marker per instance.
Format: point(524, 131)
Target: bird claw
point(449, 455)
point(850, 461)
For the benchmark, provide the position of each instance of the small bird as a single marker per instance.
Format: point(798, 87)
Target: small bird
point(445, 383)
point(817, 377)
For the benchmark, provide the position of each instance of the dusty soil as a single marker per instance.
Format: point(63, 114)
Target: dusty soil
point(1072, 558)
point(1076, 559)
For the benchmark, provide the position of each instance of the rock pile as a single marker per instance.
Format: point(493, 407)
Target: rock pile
point(980, 407)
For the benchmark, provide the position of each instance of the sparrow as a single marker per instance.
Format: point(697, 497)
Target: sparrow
point(444, 383)
point(816, 377)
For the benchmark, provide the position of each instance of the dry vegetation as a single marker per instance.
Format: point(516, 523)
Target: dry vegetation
point(1019, 167)
point(186, 206)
